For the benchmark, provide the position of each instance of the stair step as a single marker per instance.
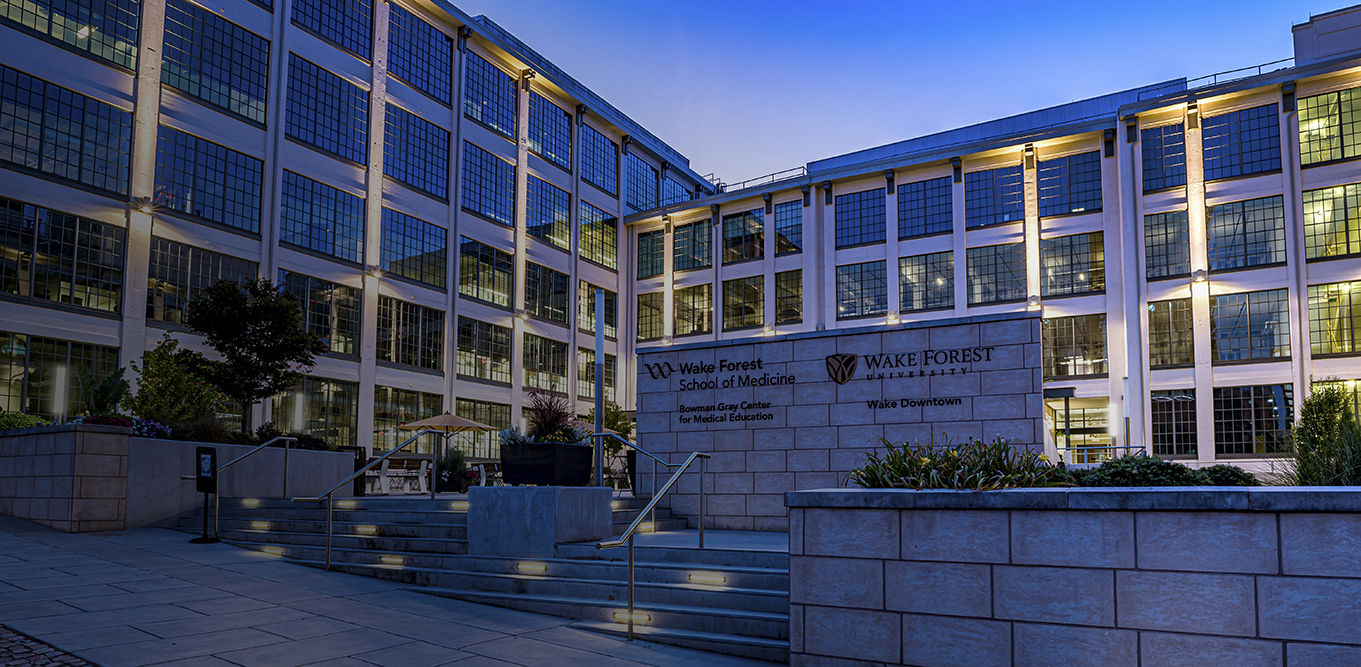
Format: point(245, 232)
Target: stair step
point(304, 513)
point(351, 528)
point(346, 548)
point(757, 648)
point(776, 560)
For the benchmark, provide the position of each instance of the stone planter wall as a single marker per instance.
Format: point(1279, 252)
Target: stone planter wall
point(1078, 577)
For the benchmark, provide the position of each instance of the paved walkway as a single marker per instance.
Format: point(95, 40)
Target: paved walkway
point(148, 597)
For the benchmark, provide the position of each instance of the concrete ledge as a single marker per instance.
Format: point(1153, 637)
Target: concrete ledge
point(1177, 498)
point(530, 521)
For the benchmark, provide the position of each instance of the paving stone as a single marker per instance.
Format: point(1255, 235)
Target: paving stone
point(17, 650)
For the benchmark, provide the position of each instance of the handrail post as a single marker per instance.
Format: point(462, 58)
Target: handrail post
point(330, 504)
point(652, 515)
point(630, 586)
point(702, 462)
point(286, 444)
point(217, 511)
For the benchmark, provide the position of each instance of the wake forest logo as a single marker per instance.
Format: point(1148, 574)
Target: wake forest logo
point(660, 371)
point(841, 367)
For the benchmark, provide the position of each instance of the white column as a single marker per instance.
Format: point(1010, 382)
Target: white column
point(1200, 292)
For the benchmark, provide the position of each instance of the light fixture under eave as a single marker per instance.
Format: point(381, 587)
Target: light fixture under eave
point(666, 340)
point(768, 330)
point(1032, 302)
point(1200, 276)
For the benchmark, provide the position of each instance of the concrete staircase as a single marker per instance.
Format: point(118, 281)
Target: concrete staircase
point(724, 600)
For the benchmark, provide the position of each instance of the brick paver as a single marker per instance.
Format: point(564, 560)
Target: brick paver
point(18, 650)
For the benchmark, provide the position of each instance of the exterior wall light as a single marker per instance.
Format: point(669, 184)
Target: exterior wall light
point(892, 317)
point(666, 340)
point(768, 330)
point(521, 314)
point(374, 270)
point(1032, 302)
point(1200, 276)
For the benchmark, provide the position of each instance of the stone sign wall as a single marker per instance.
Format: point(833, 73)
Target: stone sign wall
point(799, 412)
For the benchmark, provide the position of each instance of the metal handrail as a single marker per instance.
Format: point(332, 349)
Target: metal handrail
point(627, 536)
point(330, 502)
point(217, 497)
point(652, 477)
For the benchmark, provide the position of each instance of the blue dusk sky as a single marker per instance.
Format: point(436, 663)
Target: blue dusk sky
point(748, 88)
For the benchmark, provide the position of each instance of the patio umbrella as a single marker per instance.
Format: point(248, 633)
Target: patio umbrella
point(445, 424)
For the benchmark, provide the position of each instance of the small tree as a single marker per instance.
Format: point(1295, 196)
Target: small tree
point(617, 420)
point(1326, 442)
point(258, 330)
point(169, 390)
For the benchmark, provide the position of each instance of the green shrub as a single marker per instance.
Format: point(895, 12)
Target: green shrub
point(1224, 474)
point(205, 428)
point(1326, 442)
point(1080, 474)
point(168, 391)
point(1143, 470)
point(973, 465)
point(10, 420)
point(101, 397)
point(310, 442)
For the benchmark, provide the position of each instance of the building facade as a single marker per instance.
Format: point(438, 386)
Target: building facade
point(444, 201)
point(1192, 247)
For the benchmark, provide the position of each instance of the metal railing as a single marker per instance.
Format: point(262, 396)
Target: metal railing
point(330, 502)
point(217, 497)
point(652, 476)
point(1240, 73)
point(1096, 454)
point(627, 536)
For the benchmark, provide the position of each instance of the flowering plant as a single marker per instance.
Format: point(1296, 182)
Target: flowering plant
point(973, 465)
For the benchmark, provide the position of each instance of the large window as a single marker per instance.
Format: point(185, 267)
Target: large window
point(651, 253)
point(1246, 234)
point(546, 292)
point(1242, 142)
point(419, 54)
point(1174, 423)
point(744, 303)
point(394, 407)
point(1253, 420)
point(410, 334)
point(860, 218)
point(599, 160)
point(40, 376)
point(178, 272)
point(327, 111)
point(994, 197)
point(326, 409)
point(57, 257)
point(488, 185)
point(550, 131)
point(861, 290)
point(641, 193)
point(1072, 265)
point(345, 23)
point(744, 236)
point(203, 179)
point(215, 60)
point(1330, 127)
point(1070, 184)
point(1167, 245)
point(489, 95)
point(692, 246)
point(789, 297)
point(321, 218)
point(673, 191)
point(481, 444)
point(926, 282)
point(651, 323)
point(485, 273)
point(586, 309)
point(483, 351)
point(545, 364)
point(694, 310)
point(926, 207)
point(548, 213)
point(788, 228)
point(413, 248)
point(1250, 326)
point(1352, 389)
point(1332, 222)
point(599, 237)
point(1074, 346)
point(1335, 318)
point(331, 310)
point(586, 374)
point(416, 152)
point(60, 133)
point(1164, 157)
point(996, 273)
point(1170, 338)
point(104, 29)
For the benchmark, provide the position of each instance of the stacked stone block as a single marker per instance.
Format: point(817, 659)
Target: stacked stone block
point(1107, 578)
point(820, 430)
point(72, 478)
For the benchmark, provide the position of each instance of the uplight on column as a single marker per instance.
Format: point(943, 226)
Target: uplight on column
point(1200, 276)
point(1032, 302)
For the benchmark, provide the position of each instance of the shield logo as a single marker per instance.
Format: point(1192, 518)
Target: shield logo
point(841, 367)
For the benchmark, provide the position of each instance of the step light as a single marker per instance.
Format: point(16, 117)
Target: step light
point(531, 567)
point(617, 505)
point(345, 504)
point(647, 527)
point(622, 616)
point(708, 578)
point(250, 502)
point(259, 525)
point(390, 560)
point(366, 530)
point(274, 551)
point(459, 506)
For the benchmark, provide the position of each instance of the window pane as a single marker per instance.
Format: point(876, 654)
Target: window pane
point(327, 111)
point(1254, 325)
point(586, 309)
point(926, 282)
point(693, 244)
point(744, 304)
point(1072, 265)
point(1242, 142)
point(789, 296)
point(1167, 245)
point(1164, 157)
point(545, 363)
point(744, 236)
point(1332, 222)
point(1330, 127)
point(208, 181)
point(1174, 423)
point(1246, 234)
point(1253, 420)
point(1074, 346)
point(326, 409)
point(488, 185)
point(104, 29)
point(330, 310)
point(319, 217)
point(215, 60)
point(599, 160)
point(926, 207)
point(483, 351)
point(481, 444)
point(599, 237)
point(694, 310)
point(1070, 184)
point(413, 248)
point(60, 133)
point(178, 271)
point(546, 292)
point(58, 257)
point(861, 290)
point(996, 273)
point(410, 334)
point(642, 184)
point(1170, 339)
point(651, 253)
point(489, 95)
point(860, 218)
point(419, 54)
point(650, 317)
point(994, 196)
point(548, 213)
point(550, 131)
point(416, 152)
point(586, 374)
point(485, 273)
point(788, 228)
point(394, 407)
point(345, 23)
point(1335, 318)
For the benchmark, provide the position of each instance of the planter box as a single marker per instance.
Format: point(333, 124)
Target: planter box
point(529, 522)
point(1109, 577)
point(546, 464)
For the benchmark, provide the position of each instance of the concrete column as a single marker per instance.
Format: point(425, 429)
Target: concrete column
point(373, 216)
point(452, 242)
point(1030, 175)
point(895, 300)
point(1200, 292)
point(669, 287)
point(1134, 308)
point(273, 170)
point(826, 274)
point(1301, 354)
point(960, 241)
point(768, 266)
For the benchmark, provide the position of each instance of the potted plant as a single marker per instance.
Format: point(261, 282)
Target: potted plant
point(552, 453)
point(452, 471)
